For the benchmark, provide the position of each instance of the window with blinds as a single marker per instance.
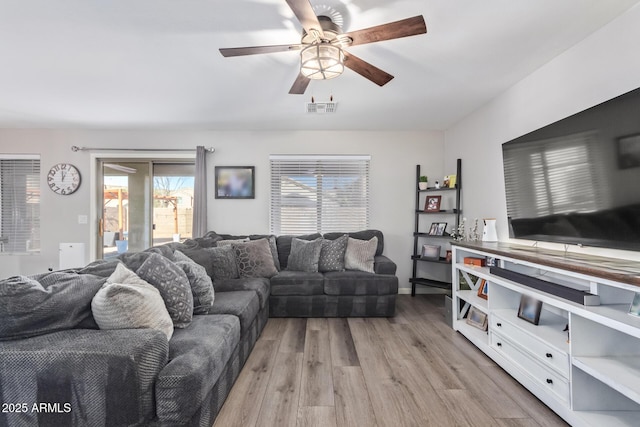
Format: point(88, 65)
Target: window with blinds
point(19, 203)
point(319, 194)
point(553, 176)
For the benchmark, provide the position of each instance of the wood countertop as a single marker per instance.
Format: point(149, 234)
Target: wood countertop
point(619, 270)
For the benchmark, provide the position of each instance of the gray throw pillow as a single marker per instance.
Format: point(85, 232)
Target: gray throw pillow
point(173, 285)
point(254, 259)
point(46, 303)
point(304, 255)
point(201, 285)
point(126, 301)
point(223, 263)
point(360, 254)
point(332, 254)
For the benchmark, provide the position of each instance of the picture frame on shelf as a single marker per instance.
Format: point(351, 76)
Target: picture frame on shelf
point(634, 308)
point(483, 289)
point(530, 309)
point(432, 203)
point(477, 319)
point(235, 182)
point(437, 229)
point(430, 252)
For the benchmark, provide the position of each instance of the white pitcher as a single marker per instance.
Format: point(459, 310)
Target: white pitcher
point(489, 233)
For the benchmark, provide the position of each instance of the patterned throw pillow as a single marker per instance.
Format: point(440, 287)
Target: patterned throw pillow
point(360, 254)
point(304, 255)
point(332, 254)
point(254, 259)
point(126, 301)
point(201, 285)
point(173, 285)
point(223, 263)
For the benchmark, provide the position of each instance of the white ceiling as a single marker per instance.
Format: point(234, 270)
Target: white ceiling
point(155, 63)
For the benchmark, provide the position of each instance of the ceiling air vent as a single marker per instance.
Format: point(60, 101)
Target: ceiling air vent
point(321, 107)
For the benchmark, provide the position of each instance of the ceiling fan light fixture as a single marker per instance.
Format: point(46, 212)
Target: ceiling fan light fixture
point(321, 61)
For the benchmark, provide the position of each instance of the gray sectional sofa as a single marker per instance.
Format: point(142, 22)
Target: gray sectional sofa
point(126, 377)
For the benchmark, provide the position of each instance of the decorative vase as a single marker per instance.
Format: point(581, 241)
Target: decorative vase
point(489, 233)
point(422, 185)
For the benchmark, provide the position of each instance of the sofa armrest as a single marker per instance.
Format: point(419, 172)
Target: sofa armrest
point(383, 265)
point(96, 377)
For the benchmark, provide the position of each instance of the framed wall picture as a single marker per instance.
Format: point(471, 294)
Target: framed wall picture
point(530, 309)
point(483, 289)
point(235, 182)
point(432, 203)
point(477, 318)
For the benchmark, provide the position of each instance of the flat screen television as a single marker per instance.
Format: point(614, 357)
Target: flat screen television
point(577, 181)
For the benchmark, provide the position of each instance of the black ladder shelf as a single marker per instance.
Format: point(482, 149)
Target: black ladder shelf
point(420, 232)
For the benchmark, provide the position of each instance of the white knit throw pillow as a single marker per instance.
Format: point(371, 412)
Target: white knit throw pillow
point(126, 301)
point(360, 254)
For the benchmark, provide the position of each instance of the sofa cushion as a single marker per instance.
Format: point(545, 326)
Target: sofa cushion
point(46, 303)
point(259, 285)
point(126, 301)
point(360, 254)
point(361, 235)
point(254, 259)
point(304, 255)
point(359, 283)
point(297, 283)
point(102, 267)
point(197, 354)
point(243, 304)
point(173, 285)
point(164, 250)
point(332, 254)
point(200, 282)
point(284, 246)
point(107, 376)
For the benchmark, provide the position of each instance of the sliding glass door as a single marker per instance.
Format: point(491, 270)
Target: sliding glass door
point(142, 203)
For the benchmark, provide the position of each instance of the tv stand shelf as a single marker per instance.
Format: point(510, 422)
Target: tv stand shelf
point(590, 374)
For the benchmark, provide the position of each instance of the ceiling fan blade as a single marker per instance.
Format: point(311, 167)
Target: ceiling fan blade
point(392, 30)
point(366, 70)
point(255, 50)
point(305, 14)
point(300, 85)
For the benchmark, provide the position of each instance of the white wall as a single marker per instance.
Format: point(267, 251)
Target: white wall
point(603, 66)
point(394, 156)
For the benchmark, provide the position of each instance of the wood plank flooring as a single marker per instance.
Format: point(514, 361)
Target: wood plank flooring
point(409, 370)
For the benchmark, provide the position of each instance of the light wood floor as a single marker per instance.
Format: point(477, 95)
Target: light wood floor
point(410, 370)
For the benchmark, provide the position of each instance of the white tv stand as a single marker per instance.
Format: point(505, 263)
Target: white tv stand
point(591, 379)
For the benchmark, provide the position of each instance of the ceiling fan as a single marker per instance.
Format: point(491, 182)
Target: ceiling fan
point(322, 54)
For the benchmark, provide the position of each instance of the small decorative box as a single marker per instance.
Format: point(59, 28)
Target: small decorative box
point(480, 262)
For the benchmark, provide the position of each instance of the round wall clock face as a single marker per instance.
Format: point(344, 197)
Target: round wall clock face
point(63, 178)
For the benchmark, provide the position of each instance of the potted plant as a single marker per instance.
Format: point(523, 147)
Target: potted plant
point(422, 183)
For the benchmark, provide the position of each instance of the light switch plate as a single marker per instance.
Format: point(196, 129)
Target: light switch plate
point(83, 219)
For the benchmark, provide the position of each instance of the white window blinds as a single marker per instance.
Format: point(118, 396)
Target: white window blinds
point(319, 194)
point(19, 203)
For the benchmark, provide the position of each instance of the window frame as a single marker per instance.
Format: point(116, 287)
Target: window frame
point(323, 166)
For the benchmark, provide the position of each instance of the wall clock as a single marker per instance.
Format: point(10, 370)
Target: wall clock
point(63, 178)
